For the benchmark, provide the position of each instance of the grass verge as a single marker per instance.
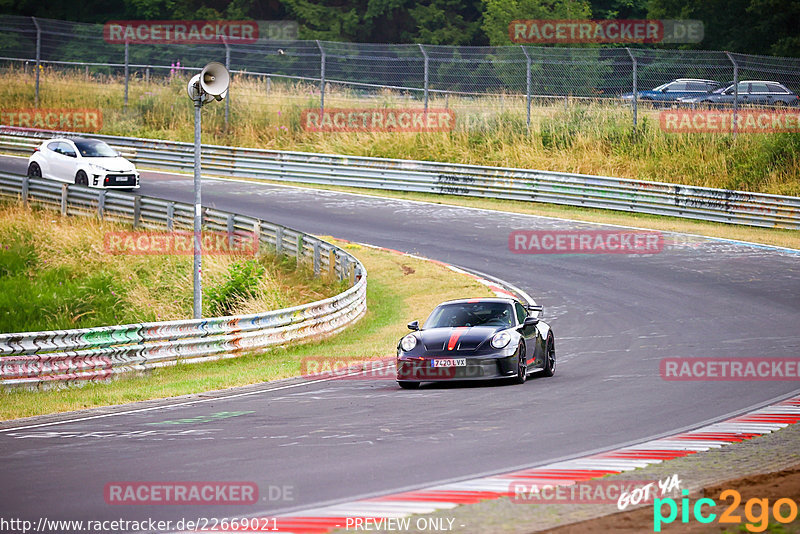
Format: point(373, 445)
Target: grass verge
point(590, 138)
point(400, 289)
point(57, 273)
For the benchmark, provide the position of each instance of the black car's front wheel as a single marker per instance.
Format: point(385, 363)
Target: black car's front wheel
point(550, 359)
point(522, 366)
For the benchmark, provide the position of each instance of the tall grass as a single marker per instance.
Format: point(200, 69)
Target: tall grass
point(572, 136)
point(55, 273)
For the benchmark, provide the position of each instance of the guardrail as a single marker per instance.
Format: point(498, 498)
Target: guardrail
point(658, 198)
point(36, 359)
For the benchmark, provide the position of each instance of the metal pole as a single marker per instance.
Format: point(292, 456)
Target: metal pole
point(321, 80)
point(127, 74)
point(527, 86)
point(635, 92)
point(227, 66)
point(425, 55)
point(198, 250)
point(38, 59)
point(735, 93)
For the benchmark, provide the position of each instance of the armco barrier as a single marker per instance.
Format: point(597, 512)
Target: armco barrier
point(703, 203)
point(35, 359)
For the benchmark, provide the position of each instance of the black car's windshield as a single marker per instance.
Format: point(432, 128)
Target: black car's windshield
point(90, 148)
point(471, 314)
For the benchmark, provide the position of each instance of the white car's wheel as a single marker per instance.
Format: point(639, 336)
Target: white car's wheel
point(34, 170)
point(81, 178)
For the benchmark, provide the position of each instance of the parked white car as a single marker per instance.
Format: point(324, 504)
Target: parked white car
point(87, 162)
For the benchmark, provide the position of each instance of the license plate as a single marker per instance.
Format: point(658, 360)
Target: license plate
point(120, 178)
point(449, 362)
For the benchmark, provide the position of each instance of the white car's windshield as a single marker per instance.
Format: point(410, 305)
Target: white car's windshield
point(90, 148)
point(471, 314)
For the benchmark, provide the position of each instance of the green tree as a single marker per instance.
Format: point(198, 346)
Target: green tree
point(619, 9)
point(747, 26)
point(388, 21)
point(498, 14)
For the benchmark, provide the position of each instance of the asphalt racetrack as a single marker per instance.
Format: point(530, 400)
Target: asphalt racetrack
point(614, 316)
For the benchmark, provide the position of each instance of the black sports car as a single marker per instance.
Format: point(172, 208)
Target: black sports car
point(477, 339)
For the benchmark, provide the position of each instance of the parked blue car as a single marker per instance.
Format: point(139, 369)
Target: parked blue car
point(672, 91)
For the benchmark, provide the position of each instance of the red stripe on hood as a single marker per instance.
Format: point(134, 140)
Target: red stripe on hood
point(454, 337)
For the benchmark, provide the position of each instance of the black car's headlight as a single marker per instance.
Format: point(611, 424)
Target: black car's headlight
point(500, 340)
point(408, 343)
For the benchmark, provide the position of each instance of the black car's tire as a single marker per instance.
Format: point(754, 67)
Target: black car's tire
point(549, 359)
point(408, 385)
point(34, 170)
point(522, 366)
point(81, 178)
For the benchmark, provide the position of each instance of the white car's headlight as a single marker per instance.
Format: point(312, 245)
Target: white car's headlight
point(408, 343)
point(500, 340)
point(97, 168)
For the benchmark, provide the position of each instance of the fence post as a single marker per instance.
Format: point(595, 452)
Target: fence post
point(735, 93)
point(299, 256)
point(101, 204)
point(425, 55)
point(127, 75)
point(321, 79)
point(279, 240)
point(227, 66)
point(38, 60)
point(269, 84)
point(316, 258)
point(635, 93)
point(257, 237)
point(170, 216)
point(26, 180)
point(229, 227)
point(137, 211)
point(527, 86)
point(64, 193)
point(332, 263)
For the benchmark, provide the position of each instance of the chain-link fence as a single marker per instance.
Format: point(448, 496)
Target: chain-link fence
point(515, 77)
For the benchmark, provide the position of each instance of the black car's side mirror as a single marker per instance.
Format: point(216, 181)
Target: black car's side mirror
point(413, 325)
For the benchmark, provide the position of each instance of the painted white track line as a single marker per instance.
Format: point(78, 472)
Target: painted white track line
point(448, 496)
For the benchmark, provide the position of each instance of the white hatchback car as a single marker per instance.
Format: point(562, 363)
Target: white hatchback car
point(84, 162)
